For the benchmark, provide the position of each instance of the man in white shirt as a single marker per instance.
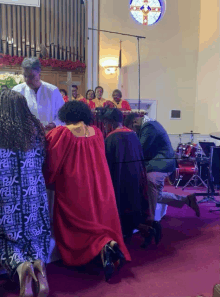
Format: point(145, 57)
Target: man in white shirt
point(44, 99)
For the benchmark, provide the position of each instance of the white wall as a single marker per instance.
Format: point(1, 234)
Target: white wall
point(207, 105)
point(169, 57)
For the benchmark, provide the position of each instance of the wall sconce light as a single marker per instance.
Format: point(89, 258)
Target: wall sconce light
point(110, 69)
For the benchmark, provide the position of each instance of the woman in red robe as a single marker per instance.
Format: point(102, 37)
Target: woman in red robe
point(119, 102)
point(90, 96)
point(86, 219)
point(64, 95)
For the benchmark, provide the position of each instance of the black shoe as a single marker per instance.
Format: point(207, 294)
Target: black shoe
point(158, 232)
point(109, 268)
point(148, 233)
point(117, 255)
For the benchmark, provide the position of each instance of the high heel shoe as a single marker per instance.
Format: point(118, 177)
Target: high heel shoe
point(42, 289)
point(117, 255)
point(26, 276)
point(109, 268)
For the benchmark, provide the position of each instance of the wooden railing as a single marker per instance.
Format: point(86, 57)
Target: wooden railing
point(55, 30)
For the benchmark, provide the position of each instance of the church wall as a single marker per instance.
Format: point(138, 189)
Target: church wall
point(169, 57)
point(207, 106)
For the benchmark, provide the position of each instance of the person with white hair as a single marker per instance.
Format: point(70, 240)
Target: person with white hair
point(44, 99)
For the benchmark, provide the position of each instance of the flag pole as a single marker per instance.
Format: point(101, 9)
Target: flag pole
point(139, 75)
point(119, 68)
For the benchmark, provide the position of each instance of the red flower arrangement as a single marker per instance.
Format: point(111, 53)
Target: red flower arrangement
point(7, 60)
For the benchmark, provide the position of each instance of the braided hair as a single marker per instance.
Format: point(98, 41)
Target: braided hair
point(19, 128)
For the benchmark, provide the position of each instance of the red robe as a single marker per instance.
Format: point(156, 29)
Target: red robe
point(65, 98)
point(123, 105)
point(85, 211)
point(91, 104)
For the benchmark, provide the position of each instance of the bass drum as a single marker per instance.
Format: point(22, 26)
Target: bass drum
point(184, 171)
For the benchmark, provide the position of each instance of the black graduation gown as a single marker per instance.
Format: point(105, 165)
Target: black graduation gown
point(125, 160)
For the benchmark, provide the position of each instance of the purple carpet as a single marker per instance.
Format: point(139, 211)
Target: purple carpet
point(186, 263)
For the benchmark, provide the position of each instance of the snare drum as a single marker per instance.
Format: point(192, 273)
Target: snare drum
point(184, 171)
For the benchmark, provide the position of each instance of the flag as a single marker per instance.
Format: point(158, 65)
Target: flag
point(119, 69)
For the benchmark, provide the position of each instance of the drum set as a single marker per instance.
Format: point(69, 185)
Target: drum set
point(189, 158)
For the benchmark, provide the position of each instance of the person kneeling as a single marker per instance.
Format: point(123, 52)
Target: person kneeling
point(86, 221)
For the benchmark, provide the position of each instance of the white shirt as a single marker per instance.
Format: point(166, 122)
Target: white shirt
point(45, 104)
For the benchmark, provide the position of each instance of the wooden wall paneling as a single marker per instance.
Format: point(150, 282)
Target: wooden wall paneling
point(49, 76)
point(62, 77)
point(68, 29)
point(79, 78)
point(4, 27)
point(19, 29)
point(83, 84)
point(37, 26)
point(27, 29)
point(52, 28)
point(9, 18)
point(14, 21)
point(23, 30)
point(48, 23)
point(33, 46)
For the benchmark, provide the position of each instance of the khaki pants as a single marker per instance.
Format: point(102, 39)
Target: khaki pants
point(155, 185)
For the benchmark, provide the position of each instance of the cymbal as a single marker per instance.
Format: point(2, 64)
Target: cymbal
point(215, 135)
point(191, 133)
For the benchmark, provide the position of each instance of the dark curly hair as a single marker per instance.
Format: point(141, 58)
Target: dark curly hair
point(19, 128)
point(112, 115)
point(74, 112)
point(130, 118)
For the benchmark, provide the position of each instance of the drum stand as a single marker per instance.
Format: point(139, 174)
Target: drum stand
point(209, 196)
point(195, 179)
point(214, 210)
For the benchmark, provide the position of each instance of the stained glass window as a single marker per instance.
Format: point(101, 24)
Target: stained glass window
point(147, 12)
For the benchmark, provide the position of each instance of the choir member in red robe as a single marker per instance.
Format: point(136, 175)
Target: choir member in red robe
point(86, 219)
point(64, 95)
point(90, 96)
point(119, 102)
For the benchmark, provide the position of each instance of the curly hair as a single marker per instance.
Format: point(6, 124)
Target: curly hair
point(74, 112)
point(112, 115)
point(19, 128)
point(130, 118)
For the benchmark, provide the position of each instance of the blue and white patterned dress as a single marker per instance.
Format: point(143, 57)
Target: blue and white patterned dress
point(24, 214)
